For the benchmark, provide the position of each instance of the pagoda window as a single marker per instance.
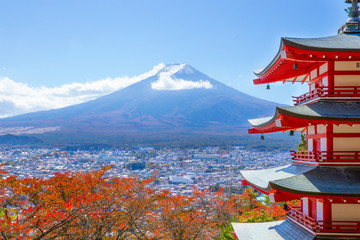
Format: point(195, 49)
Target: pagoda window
point(311, 133)
point(312, 87)
point(311, 130)
point(319, 210)
point(325, 81)
point(321, 129)
point(305, 205)
point(310, 144)
point(323, 68)
point(314, 73)
point(323, 144)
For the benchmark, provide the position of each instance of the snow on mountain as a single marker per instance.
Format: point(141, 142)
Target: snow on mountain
point(167, 80)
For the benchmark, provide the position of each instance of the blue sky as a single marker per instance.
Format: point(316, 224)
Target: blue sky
point(51, 43)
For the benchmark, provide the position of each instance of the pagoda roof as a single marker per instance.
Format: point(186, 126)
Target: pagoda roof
point(308, 180)
point(337, 43)
point(323, 110)
point(307, 53)
point(277, 230)
point(329, 181)
point(261, 178)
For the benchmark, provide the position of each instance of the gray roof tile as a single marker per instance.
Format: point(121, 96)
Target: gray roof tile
point(329, 181)
point(307, 179)
point(261, 178)
point(279, 230)
point(320, 110)
point(339, 43)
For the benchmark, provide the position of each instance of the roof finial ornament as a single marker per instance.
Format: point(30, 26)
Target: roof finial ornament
point(352, 25)
point(353, 11)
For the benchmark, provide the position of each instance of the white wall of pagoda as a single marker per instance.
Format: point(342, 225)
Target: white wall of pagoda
point(347, 66)
point(305, 205)
point(346, 80)
point(345, 212)
point(351, 139)
point(346, 144)
point(344, 128)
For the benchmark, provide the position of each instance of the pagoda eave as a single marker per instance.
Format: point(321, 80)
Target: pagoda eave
point(271, 128)
point(261, 179)
point(299, 117)
point(244, 182)
point(307, 54)
point(281, 124)
point(291, 181)
point(282, 71)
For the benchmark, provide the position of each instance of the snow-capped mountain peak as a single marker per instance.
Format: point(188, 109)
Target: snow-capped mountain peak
point(176, 77)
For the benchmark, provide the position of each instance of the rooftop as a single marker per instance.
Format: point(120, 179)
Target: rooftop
point(307, 179)
point(278, 230)
point(348, 111)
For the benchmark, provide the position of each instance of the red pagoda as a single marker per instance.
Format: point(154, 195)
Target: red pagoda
point(326, 177)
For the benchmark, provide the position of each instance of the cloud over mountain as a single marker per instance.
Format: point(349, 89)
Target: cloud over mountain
point(166, 80)
point(18, 98)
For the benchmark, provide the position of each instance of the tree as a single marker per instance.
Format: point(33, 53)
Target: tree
point(303, 144)
point(76, 205)
point(200, 216)
point(251, 210)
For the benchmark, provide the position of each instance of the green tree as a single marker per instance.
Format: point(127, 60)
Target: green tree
point(303, 144)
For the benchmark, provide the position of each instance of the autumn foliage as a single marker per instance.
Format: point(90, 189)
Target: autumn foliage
point(76, 205)
point(90, 206)
point(251, 210)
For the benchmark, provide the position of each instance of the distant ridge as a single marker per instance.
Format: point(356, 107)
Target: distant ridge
point(177, 103)
point(9, 139)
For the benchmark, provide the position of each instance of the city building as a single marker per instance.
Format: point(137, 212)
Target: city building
point(326, 177)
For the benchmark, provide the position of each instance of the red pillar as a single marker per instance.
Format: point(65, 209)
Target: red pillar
point(331, 69)
point(327, 209)
point(330, 137)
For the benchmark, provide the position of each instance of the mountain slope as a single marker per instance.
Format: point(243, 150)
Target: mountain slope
point(177, 101)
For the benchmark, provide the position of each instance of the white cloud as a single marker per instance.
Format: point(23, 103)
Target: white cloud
point(22, 98)
point(168, 82)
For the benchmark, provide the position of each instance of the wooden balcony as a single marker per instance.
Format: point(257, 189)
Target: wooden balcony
point(338, 227)
point(337, 93)
point(352, 157)
point(304, 220)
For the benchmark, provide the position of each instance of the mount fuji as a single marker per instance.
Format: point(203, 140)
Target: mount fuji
point(178, 102)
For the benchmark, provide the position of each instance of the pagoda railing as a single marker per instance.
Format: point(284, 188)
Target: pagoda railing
point(341, 92)
point(325, 156)
point(321, 226)
point(303, 219)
